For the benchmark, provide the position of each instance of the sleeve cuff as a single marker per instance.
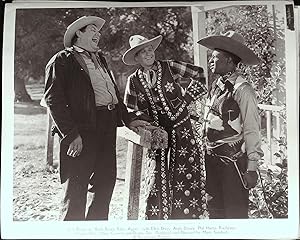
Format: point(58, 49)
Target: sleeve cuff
point(68, 138)
point(253, 159)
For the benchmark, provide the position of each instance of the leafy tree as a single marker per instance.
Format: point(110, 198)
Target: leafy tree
point(253, 22)
point(39, 35)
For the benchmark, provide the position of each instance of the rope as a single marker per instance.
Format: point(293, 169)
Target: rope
point(236, 167)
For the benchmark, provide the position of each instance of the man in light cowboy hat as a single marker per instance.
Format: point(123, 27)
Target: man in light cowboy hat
point(86, 107)
point(154, 92)
point(232, 128)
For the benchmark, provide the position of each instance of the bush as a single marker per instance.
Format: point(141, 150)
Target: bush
point(269, 199)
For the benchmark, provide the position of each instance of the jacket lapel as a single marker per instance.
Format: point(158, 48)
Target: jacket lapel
point(82, 65)
point(80, 61)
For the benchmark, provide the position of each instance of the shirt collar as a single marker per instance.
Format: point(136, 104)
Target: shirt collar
point(229, 77)
point(78, 49)
point(154, 67)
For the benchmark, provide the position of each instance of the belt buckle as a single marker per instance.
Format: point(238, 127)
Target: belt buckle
point(110, 107)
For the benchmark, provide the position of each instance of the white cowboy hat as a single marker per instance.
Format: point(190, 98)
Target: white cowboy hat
point(80, 23)
point(231, 42)
point(137, 43)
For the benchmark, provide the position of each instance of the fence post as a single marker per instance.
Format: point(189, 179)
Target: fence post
point(138, 146)
point(133, 179)
point(269, 133)
point(49, 141)
point(278, 127)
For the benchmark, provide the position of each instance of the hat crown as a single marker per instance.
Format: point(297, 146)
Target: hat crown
point(235, 36)
point(136, 40)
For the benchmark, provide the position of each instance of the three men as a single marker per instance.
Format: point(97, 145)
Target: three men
point(86, 108)
point(232, 128)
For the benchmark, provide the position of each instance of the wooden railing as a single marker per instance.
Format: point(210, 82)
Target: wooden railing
point(138, 145)
point(272, 131)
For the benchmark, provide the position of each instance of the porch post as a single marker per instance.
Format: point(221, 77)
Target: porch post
point(200, 52)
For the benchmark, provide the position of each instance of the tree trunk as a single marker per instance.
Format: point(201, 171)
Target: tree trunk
point(21, 94)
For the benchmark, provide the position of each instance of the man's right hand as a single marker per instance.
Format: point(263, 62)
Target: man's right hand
point(75, 147)
point(134, 125)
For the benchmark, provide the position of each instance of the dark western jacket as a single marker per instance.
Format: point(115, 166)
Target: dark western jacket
point(70, 98)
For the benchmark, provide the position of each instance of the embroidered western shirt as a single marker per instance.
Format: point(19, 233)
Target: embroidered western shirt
point(178, 70)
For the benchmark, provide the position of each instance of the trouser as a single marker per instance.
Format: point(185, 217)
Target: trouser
point(98, 158)
point(223, 184)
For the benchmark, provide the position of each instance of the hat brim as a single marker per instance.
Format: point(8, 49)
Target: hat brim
point(80, 23)
point(246, 55)
point(129, 55)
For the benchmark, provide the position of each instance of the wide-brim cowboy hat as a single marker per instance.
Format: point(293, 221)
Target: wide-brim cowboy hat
point(137, 43)
point(80, 23)
point(231, 42)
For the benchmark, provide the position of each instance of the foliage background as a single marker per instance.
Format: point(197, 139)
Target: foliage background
point(39, 35)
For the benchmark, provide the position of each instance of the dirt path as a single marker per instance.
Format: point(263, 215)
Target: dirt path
point(37, 192)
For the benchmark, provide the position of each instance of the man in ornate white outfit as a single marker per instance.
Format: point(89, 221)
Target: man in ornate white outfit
point(154, 92)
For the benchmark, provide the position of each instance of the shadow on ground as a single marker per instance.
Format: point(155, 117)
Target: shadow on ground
point(29, 108)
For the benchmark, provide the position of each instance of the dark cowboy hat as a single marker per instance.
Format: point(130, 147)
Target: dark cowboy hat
point(80, 23)
point(231, 42)
point(137, 43)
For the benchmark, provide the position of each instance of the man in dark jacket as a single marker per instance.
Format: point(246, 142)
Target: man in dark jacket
point(85, 105)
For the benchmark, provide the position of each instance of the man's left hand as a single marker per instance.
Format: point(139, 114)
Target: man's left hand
point(250, 178)
point(134, 125)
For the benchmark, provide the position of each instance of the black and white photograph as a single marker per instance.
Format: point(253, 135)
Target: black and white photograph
point(150, 120)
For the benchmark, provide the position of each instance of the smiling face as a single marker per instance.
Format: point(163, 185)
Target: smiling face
point(146, 57)
point(88, 38)
point(221, 63)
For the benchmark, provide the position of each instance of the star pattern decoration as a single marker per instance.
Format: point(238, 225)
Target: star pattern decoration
point(195, 168)
point(183, 151)
point(194, 152)
point(179, 186)
point(169, 87)
point(178, 203)
point(194, 184)
point(141, 97)
point(195, 88)
point(154, 210)
point(181, 169)
point(194, 202)
point(185, 133)
point(154, 190)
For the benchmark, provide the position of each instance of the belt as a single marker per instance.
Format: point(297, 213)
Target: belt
point(109, 107)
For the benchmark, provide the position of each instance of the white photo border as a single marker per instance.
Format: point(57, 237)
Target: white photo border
point(234, 229)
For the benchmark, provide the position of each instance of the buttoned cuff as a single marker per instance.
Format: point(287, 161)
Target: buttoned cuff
point(253, 159)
